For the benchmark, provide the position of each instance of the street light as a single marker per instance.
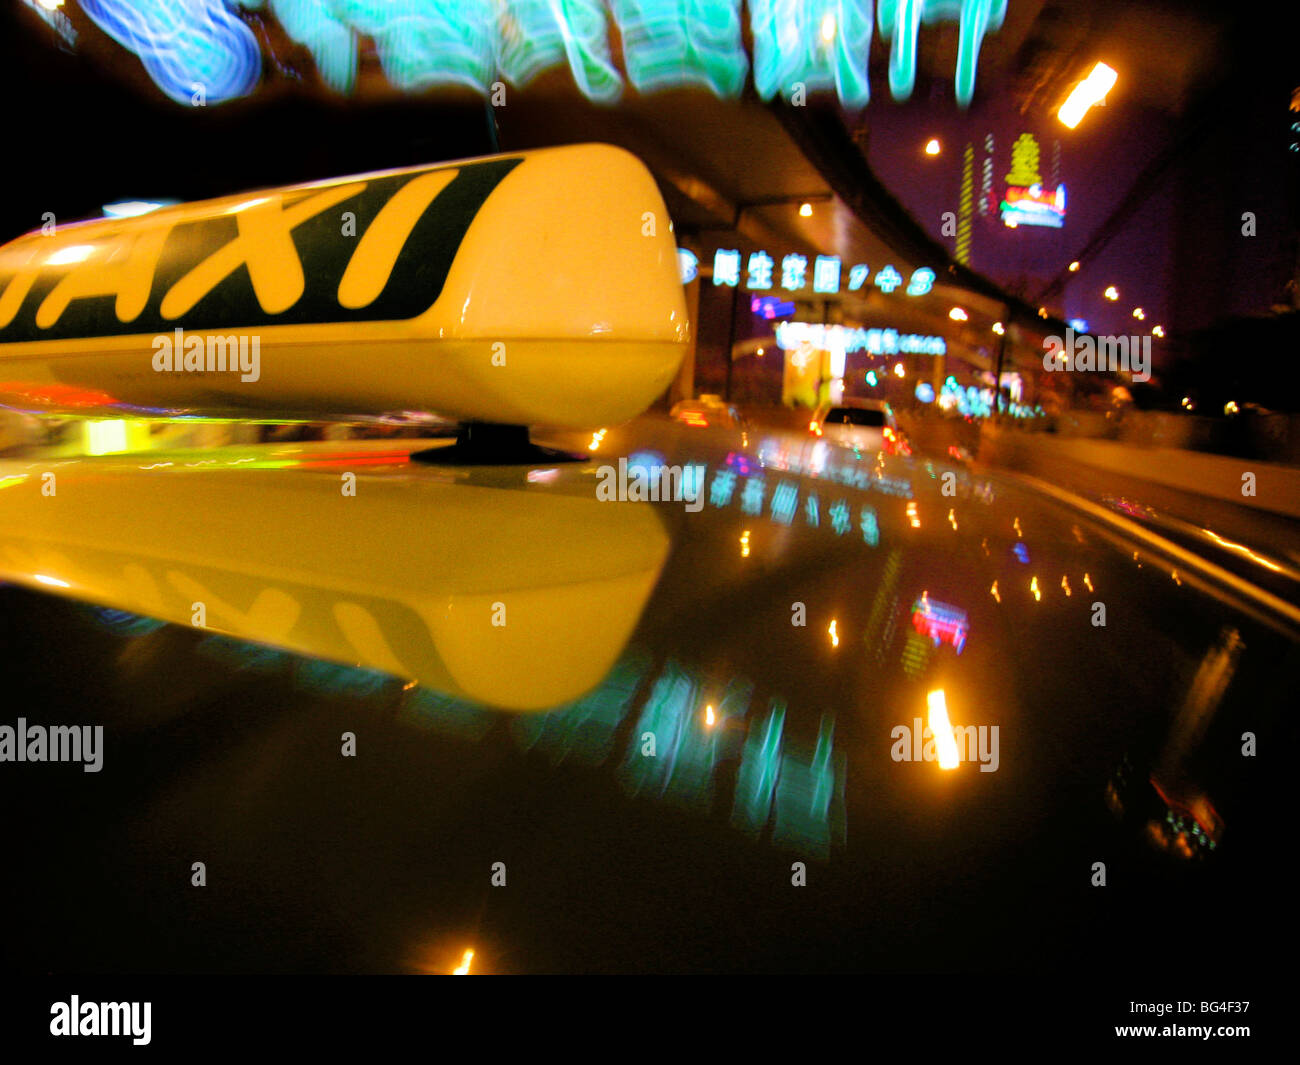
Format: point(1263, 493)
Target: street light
point(1112, 293)
point(958, 315)
point(932, 146)
point(1088, 93)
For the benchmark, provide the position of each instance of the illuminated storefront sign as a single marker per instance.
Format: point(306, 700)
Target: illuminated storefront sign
point(842, 339)
point(979, 402)
point(664, 44)
point(761, 272)
point(1034, 206)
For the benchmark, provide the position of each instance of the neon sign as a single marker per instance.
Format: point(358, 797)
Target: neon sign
point(665, 44)
point(1027, 202)
point(1034, 206)
point(941, 622)
point(770, 307)
point(841, 339)
point(826, 275)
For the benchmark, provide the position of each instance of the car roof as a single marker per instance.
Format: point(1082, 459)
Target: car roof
point(860, 403)
point(796, 768)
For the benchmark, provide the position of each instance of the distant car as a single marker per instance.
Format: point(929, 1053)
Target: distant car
point(708, 411)
point(865, 424)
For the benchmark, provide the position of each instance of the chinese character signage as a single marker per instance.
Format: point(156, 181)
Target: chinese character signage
point(826, 276)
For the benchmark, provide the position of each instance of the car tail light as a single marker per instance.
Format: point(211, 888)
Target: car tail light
point(815, 427)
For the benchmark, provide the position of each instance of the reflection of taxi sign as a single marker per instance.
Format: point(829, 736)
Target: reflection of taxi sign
point(541, 287)
point(415, 585)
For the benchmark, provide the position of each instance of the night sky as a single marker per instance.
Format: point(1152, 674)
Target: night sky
point(1181, 256)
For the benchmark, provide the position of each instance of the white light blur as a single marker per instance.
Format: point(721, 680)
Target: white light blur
point(75, 253)
point(1088, 93)
point(131, 208)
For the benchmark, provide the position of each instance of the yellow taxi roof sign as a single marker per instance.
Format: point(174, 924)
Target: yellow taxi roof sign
point(539, 287)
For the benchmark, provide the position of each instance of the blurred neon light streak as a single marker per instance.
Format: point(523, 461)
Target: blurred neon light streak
point(197, 45)
point(809, 794)
point(760, 767)
point(899, 22)
point(666, 44)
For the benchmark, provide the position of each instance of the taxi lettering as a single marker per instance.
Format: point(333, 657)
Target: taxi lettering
point(278, 258)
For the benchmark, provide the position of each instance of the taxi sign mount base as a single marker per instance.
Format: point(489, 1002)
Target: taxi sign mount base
point(492, 444)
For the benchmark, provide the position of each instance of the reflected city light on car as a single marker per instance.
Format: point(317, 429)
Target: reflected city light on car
point(1242, 549)
point(941, 728)
point(941, 622)
point(76, 253)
